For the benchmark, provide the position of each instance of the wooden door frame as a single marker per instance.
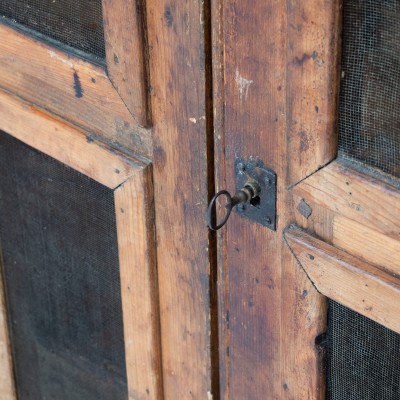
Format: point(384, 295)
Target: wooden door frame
point(276, 83)
point(131, 181)
point(179, 142)
point(110, 101)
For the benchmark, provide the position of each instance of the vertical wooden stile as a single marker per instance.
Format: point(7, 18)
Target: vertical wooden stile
point(178, 100)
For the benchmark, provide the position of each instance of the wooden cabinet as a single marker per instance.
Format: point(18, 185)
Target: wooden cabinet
point(183, 90)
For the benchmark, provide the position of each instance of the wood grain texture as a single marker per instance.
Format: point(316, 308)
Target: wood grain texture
point(69, 87)
point(356, 196)
point(313, 84)
point(125, 54)
point(139, 288)
point(367, 244)
point(177, 70)
point(64, 142)
point(7, 386)
point(348, 280)
point(268, 307)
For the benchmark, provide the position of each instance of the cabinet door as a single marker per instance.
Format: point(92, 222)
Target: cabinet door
point(78, 260)
point(277, 80)
point(117, 92)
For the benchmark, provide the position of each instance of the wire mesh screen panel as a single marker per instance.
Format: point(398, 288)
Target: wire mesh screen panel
point(369, 116)
point(363, 360)
point(61, 273)
point(76, 23)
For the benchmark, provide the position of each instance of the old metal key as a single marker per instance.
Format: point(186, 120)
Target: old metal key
point(250, 190)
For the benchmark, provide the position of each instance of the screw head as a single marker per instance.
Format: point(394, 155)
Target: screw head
point(241, 207)
point(267, 181)
point(241, 167)
point(267, 220)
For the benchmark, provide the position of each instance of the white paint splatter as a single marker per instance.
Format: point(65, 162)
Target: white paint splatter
point(193, 120)
point(59, 58)
point(209, 395)
point(243, 85)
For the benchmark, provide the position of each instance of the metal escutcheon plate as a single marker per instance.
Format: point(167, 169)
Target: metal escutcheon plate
point(261, 209)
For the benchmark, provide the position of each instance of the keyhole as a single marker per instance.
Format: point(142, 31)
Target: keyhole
point(255, 201)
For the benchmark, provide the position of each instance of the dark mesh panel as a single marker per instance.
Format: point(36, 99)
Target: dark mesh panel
point(61, 271)
point(369, 120)
point(363, 357)
point(76, 23)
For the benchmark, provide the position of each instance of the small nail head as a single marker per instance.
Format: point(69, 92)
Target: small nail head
point(241, 167)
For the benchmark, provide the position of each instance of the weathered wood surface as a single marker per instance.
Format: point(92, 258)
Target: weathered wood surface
point(139, 287)
point(367, 244)
point(7, 388)
point(268, 307)
point(124, 35)
point(177, 70)
point(49, 135)
point(313, 84)
point(69, 87)
point(348, 280)
point(356, 196)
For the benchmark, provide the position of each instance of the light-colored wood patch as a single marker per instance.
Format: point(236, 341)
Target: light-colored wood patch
point(139, 289)
point(63, 142)
point(366, 243)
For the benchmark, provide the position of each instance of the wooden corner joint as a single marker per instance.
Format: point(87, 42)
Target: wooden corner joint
point(346, 279)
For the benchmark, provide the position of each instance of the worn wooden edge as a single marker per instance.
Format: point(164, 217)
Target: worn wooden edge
point(125, 44)
point(348, 280)
point(354, 195)
point(178, 103)
point(70, 87)
point(139, 287)
point(219, 175)
point(7, 383)
point(65, 143)
point(314, 29)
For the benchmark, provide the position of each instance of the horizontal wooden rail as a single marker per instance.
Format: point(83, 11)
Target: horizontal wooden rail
point(356, 196)
point(348, 280)
point(70, 87)
point(65, 143)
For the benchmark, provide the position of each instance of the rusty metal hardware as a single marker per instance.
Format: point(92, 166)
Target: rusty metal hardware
point(256, 198)
point(245, 194)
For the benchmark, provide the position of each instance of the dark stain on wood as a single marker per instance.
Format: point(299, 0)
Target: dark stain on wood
point(304, 142)
point(320, 340)
point(300, 61)
point(77, 86)
point(116, 59)
point(168, 16)
point(310, 256)
point(304, 209)
point(160, 157)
